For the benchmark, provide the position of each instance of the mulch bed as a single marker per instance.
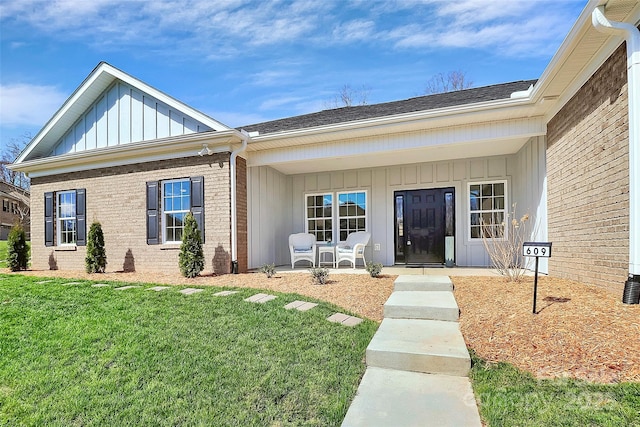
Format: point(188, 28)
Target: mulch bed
point(579, 331)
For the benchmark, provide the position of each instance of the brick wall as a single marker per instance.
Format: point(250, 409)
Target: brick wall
point(588, 180)
point(241, 213)
point(116, 197)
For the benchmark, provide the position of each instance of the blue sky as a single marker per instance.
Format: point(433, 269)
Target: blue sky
point(243, 62)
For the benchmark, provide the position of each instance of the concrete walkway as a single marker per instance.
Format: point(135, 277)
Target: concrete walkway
point(417, 362)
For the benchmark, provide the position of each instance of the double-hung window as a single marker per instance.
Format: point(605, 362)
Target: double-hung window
point(66, 217)
point(176, 204)
point(168, 203)
point(320, 216)
point(325, 222)
point(487, 209)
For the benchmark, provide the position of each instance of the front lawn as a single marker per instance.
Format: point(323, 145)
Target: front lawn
point(509, 397)
point(3, 254)
point(80, 355)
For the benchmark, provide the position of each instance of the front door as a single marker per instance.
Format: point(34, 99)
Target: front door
point(423, 219)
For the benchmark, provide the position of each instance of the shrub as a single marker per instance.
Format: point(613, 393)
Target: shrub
point(374, 268)
point(17, 249)
point(505, 252)
point(191, 257)
point(96, 260)
point(268, 269)
point(319, 275)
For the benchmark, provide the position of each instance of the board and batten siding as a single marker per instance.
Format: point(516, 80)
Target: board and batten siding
point(276, 201)
point(123, 114)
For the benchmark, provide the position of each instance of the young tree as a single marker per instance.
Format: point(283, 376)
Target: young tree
point(96, 260)
point(8, 155)
point(450, 82)
point(348, 97)
point(17, 249)
point(191, 258)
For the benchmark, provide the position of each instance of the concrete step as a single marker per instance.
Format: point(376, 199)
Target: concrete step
point(435, 305)
point(388, 397)
point(422, 283)
point(428, 346)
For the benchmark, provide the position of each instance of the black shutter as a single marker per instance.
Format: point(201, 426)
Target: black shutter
point(152, 213)
point(48, 219)
point(81, 223)
point(197, 202)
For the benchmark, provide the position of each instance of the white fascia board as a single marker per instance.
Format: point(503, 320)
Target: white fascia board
point(137, 152)
point(437, 118)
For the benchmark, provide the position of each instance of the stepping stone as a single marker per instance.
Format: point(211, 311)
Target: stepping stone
point(261, 298)
point(388, 397)
point(300, 305)
point(99, 285)
point(422, 283)
point(190, 291)
point(124, 288)
point(224, 293)
point(158, 288)
point(71, 283)
point(345, 319)
point(42, 282)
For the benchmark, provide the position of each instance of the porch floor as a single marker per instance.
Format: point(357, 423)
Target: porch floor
point(397, 270)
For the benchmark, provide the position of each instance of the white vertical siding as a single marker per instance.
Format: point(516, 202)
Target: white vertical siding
point(270, 200)
point(123, 114)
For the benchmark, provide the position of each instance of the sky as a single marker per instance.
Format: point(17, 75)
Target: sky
point(244, 62)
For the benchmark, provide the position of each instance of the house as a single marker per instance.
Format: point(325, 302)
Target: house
point(15, 208)
point(419, 174)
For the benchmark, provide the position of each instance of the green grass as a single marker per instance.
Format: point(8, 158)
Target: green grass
point(510, 397)
point(3, 254)
point(78, 355)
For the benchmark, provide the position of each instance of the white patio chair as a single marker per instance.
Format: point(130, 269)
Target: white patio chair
point(353, 248)
point(302, 246)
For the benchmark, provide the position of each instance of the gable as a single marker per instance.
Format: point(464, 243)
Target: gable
point(111, 109)
point(123, 114)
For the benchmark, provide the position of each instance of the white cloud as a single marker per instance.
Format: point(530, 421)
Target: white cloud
point(357, 30)
point(30, 105)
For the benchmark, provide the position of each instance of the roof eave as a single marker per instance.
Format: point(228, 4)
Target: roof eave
point(137, 152)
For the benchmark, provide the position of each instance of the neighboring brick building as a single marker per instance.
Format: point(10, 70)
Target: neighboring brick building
point(15, 208)
point(410, 172)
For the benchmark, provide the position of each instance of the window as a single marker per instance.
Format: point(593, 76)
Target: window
point(176, 204)
point(320, 216)
point(487, 212)
point(352, 213)
point(168, 203)
point(66, 217)
point(5, 205)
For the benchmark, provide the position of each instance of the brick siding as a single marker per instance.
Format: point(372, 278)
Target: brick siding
point(588, 180)
point(116, 197)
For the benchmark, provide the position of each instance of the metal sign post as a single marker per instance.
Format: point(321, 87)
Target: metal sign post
point(537, 250)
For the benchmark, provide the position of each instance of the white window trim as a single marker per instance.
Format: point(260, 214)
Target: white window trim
point(163, 220)
point(306, 210)
point(469, 211)
point(60, 219)
point(335, 211)
point(366, 207)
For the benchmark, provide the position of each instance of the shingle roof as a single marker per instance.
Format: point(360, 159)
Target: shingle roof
point(421, 103)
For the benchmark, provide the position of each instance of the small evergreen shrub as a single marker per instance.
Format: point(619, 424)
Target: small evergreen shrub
point(268, 269)
point(96, 259)
point(17, 249)
point(191, 257)
point(374, 268)
point(319, 275)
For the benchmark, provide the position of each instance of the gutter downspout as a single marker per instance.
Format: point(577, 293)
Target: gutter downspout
point(234, 210)
point(632, 37)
